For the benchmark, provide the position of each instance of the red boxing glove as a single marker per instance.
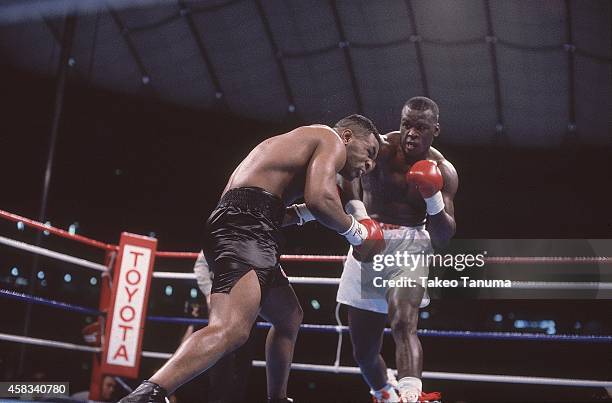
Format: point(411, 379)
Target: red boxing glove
point(374, 243)
point(427, 177)
point(373, 227)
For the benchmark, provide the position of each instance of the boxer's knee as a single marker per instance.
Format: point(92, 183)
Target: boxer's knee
point(404, 325)
point(212, 336)
point(290, 325)
point(234, 336)
point(298, 316)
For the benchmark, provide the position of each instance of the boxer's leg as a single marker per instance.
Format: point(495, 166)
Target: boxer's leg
point(281, 308)
point(404, 315)
point(367, 329)
point(231, 318)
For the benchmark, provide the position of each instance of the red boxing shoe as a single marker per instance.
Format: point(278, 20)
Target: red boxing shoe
point(431, 397)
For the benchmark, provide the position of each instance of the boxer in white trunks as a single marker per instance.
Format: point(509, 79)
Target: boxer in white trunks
point(410, 192)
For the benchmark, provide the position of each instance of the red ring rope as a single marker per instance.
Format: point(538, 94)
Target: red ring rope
point(308, 258)
point(57, 231)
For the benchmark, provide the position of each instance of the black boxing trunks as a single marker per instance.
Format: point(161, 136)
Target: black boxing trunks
point(243, 234)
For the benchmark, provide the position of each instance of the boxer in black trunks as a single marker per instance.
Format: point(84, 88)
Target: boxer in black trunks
point(243, 237)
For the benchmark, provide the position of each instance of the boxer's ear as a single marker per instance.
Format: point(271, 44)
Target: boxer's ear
point(346, 135)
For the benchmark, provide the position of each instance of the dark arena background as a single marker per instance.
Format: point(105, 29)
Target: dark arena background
point(131, 115)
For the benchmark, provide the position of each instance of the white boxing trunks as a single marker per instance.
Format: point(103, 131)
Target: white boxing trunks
point(364, 285)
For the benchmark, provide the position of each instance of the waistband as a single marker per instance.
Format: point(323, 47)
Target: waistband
point(255, 199)
point(386, 226)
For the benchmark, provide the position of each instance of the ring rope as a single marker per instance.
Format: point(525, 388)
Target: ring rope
point(48, 302)
point(340, 333)
point(56, 231)
point(527, 285)
point(489, 259)
point(155, 354)
point(556, 285)
point(295, 280)
point(174, 275)
point(465, 334)
point(460, 376)
point(52, 254)
point(344, 369)
point(48, 343)
point(305, 258)
point(548, 259)
point(561, 285)
point(177, 255)
point(314, 280)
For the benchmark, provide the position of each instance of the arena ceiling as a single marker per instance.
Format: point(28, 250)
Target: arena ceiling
point(525, 73)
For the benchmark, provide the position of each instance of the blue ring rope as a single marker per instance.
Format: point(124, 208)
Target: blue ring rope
point(47, 302)
point(462, 334)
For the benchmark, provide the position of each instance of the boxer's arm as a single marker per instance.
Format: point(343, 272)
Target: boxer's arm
point(320, 192)
point(351, 195)
point(350, 190)
point(298, 214)
point(442, 226)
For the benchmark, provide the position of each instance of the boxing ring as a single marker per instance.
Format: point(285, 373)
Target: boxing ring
point(339, 329)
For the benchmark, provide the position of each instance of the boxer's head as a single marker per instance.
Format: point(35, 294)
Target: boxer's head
point(419, 126)
point(362, 142)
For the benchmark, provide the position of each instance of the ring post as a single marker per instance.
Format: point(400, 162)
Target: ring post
point(124, 327)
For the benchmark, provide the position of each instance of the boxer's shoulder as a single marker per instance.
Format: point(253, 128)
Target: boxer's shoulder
point(389, 143)
point(312, 137)
point(435, 155)
point(319, 133)
point(447, 169)
point(319, 127)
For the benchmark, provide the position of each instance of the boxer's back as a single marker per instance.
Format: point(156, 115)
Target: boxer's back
point(279, 163)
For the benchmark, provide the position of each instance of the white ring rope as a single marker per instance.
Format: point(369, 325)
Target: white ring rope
point(314, 280)
point(294, 280)
point(533, 380)
point(154, 354)
point(346, 370)
point(336, 368)
point(47, 343)
point(339, 330)
point(54, 255)
point(561, 285)
point(527, 285)
point(174, 275)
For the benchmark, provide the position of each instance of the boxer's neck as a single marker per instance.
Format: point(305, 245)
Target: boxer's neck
point(338, 135)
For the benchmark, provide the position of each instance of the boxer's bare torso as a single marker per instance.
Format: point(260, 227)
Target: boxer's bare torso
point(279, 163)
point(386, 194)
